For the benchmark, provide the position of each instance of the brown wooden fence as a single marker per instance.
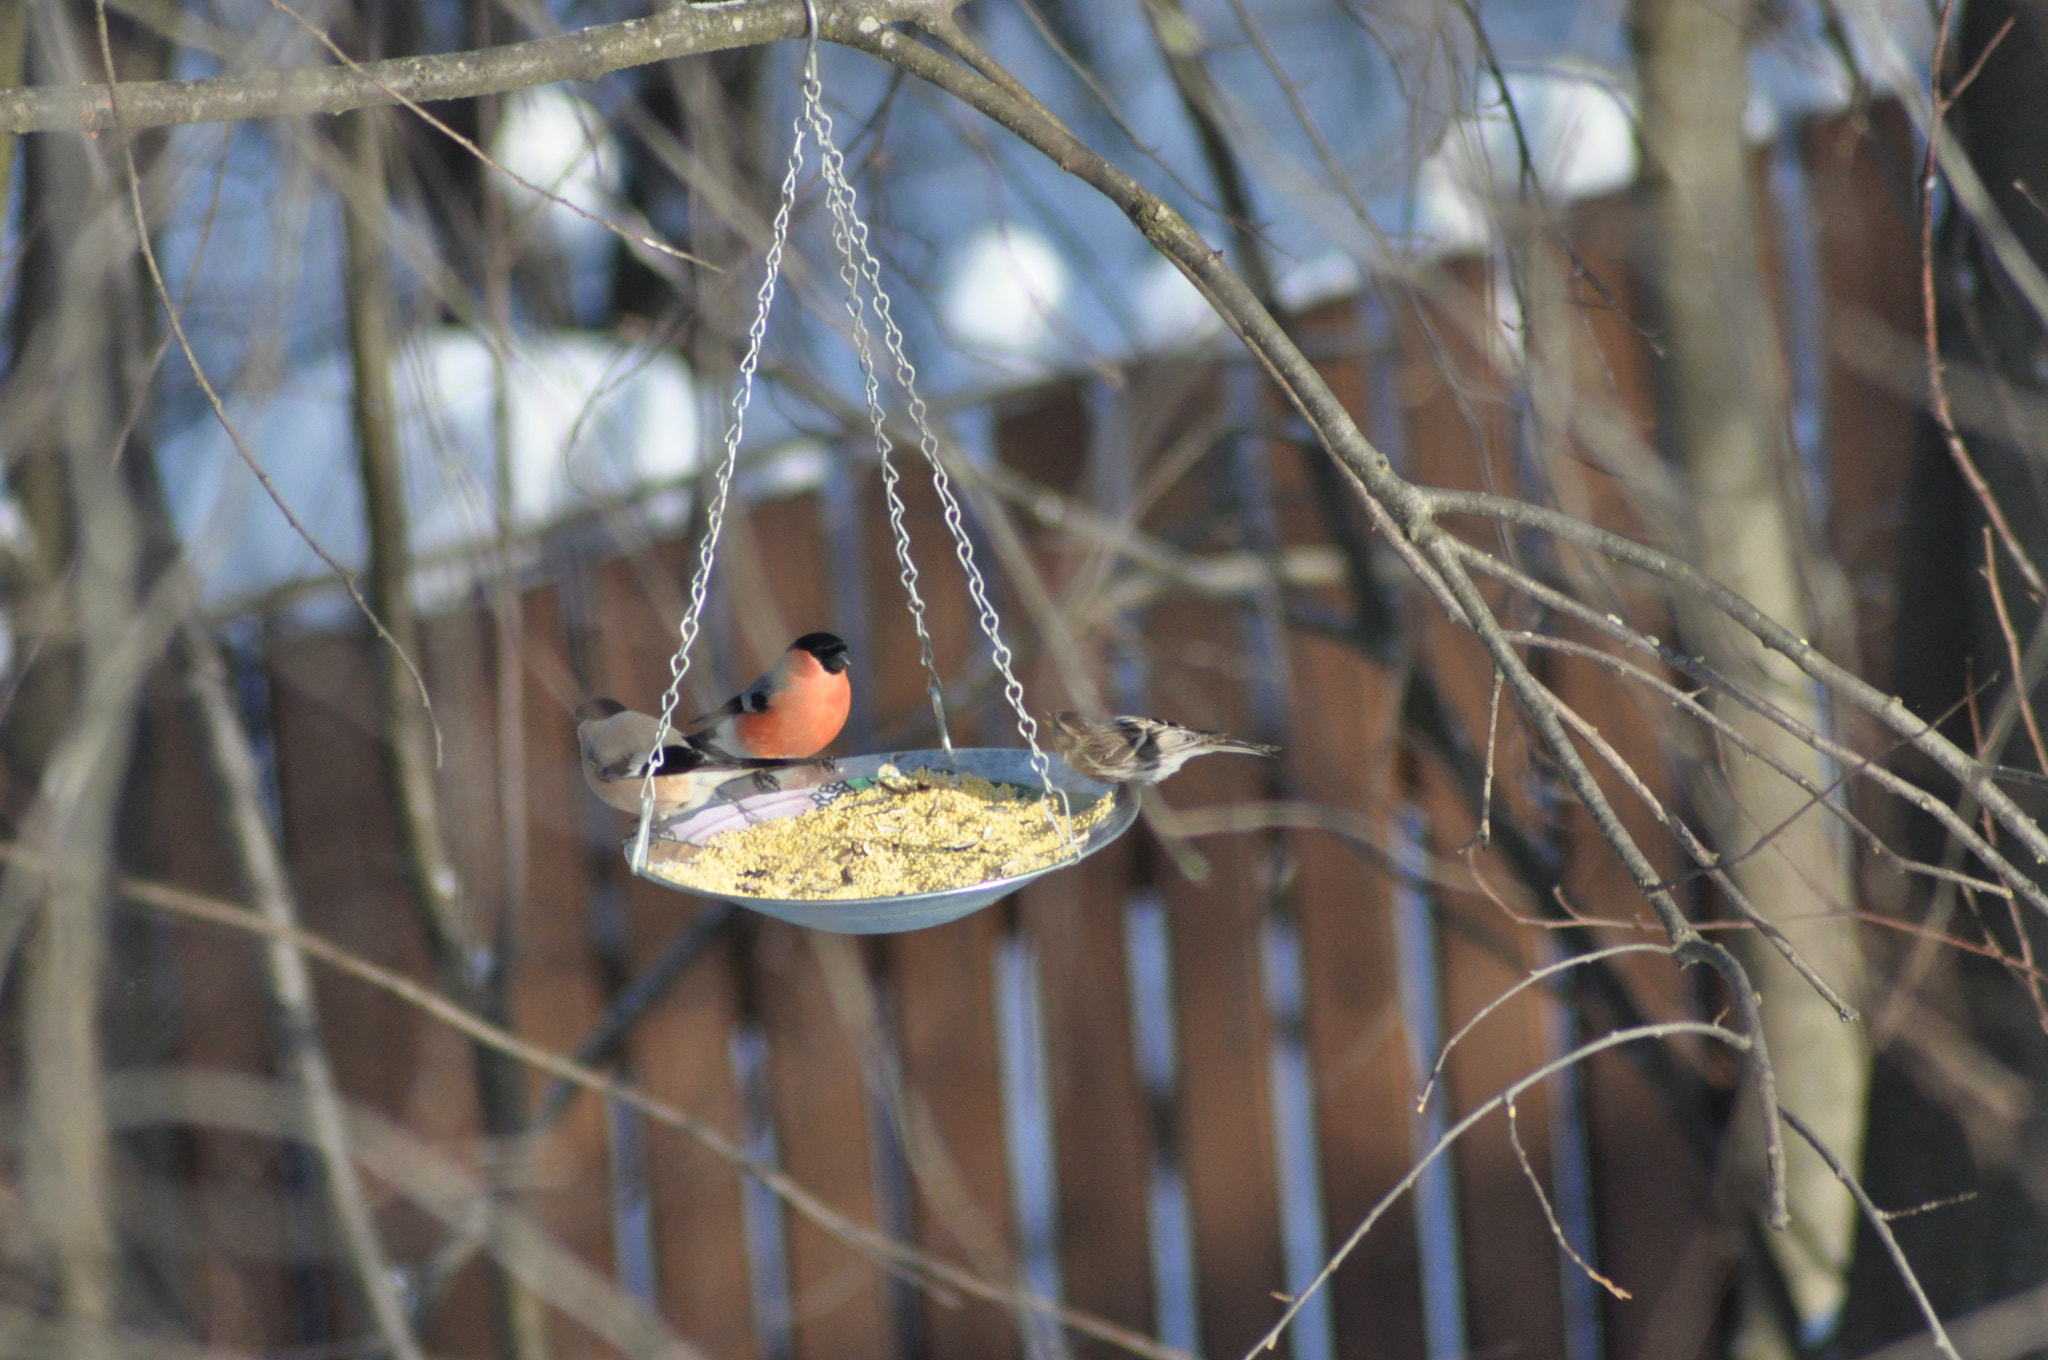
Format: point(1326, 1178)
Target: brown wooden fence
point(895, 1076)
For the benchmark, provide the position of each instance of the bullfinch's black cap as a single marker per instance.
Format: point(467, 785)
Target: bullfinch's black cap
point(828, 648)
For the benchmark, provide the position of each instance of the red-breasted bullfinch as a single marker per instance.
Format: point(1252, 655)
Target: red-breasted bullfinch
point(790, 713)
point(1131, 750)
point(616, 740)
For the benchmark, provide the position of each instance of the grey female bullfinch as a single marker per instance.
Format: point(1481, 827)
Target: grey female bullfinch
point(616, 740)
point(781, 720)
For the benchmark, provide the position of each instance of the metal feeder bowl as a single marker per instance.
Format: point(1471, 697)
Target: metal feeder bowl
point(913, 911)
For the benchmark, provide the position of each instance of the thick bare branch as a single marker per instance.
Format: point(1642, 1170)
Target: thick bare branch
point(586, 54)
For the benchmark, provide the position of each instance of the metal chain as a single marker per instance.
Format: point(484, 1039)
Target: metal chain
point(844, 223)
point(851, 234)
point(714, 524)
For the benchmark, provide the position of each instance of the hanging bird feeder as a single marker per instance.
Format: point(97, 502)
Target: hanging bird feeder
point(878, 843)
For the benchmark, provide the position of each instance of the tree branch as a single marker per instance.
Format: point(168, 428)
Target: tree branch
point(586, 54)
point(1403, 511)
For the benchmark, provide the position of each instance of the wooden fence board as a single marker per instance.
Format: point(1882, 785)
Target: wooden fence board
point(223, 1021)
point(1459, 434)
point(1101, 1115)
point(1868, 260)
point(342, 836)
point(1511, 1260)
point(816, 1066)
point(1659, 1234)
point(680, 1050)
point(1343, 753)
point(1225, 1115)
point(943, 983)
point(1223, 1121)
point(1652, 1212)
point(1364, 1088)
point(1102, 1127)
point(818, 1095)
point(557, 993)
point(680, 1053)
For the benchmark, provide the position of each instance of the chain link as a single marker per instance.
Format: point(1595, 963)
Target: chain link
point(851, 235)
point(846, 229)
point(714, 523)
point(859, 266)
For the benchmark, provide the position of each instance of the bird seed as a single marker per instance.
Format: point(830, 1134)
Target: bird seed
point(924, 831)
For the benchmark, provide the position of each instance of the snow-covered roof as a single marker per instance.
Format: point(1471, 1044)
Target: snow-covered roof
point(1002, 268)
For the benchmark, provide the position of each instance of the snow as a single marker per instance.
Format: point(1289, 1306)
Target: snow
point(1003, 269)
point(589, 422)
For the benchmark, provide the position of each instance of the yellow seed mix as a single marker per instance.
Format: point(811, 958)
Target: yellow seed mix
point(925, 831)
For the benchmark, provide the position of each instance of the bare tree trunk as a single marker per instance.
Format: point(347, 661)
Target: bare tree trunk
point(1726, 406)
point(471, 970)
point(78, 376)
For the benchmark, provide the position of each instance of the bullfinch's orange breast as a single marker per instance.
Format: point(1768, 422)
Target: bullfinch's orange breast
point(803, 719)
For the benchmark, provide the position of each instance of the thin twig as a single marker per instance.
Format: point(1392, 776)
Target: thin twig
point(1523, 984)
point(1985, 951)
point(413, 105)
point(1853, 764)
point(1716, 866)
point(1880, 1223)
point(1550, 1214)
point(1665, 1030)
point(2025, 968)
point(1930, 310)
point(1689, 946)
point(1492, 743)
point(1889, 710)
point(1711, 679)
point(2012, 652)
point(635, 999)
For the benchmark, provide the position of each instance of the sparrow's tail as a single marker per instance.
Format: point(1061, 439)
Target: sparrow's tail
point(1232, 746)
